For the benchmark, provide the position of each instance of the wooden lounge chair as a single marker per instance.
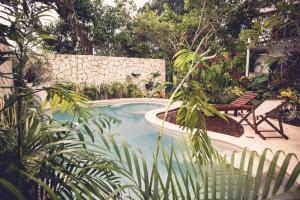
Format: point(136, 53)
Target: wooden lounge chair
point(267, 109)
point(237, 104)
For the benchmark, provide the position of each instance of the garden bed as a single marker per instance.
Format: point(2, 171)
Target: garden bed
point(214, 124)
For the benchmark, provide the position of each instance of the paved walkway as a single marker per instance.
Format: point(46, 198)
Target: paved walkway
point(292, 145)
point(254, 142)
point(248, 140)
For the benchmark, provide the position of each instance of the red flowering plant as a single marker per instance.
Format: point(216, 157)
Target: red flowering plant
point(235, 75)
point(235, 64)
point(220, 78)
point(227, 57)
point(215, 60)
point(200, 66)
point(239, 63)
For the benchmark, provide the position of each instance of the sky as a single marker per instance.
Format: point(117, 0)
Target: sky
point(139, 3)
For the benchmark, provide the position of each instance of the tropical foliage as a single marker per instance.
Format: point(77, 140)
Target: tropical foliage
point(41, 158)
point(158, 30)
point(182, 179)
point(55, 161)
point(291, 111)
point(107, 91)
point(258, 83)
point(195, 104)
point(131, 89)
point(220, 79)
point(282, 23)
point(100, 23)
point(280, 27)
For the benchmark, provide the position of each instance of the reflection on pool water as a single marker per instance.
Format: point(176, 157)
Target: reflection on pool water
point(137, 132)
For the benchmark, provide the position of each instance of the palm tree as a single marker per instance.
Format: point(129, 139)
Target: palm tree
point(40, 157)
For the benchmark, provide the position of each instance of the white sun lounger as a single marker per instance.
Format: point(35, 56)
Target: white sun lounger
point(267, 109)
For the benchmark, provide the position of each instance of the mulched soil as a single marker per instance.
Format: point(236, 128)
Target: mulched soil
point(295, 122)
point(213, 124)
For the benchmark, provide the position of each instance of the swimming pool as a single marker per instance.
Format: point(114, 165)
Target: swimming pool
point(136, 131)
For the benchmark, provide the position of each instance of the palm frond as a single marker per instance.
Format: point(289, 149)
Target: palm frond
point(181, 176)
point(68, 101)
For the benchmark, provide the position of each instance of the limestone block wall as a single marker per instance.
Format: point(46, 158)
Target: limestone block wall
point(5, 81)
point(91, 69)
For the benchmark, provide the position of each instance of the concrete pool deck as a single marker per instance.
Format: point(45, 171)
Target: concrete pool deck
point(291, 145)
point(248, 140)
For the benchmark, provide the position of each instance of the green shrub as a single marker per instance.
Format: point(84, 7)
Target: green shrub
point(68, 86)
point(258, 84)
point(117, 90)
point(134, 91)
point(91, 91)
point(286, 74)
point(104, 91)
point(153, 87)
point(291, 110)
point(110, 91)
point(218, 84)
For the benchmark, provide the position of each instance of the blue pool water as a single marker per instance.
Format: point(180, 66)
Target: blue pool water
point(135, 130)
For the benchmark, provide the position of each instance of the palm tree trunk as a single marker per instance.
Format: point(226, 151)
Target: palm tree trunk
point(20, 86)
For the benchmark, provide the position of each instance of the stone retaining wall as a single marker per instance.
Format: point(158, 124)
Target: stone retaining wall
point(90, 69)
point(5, 82)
